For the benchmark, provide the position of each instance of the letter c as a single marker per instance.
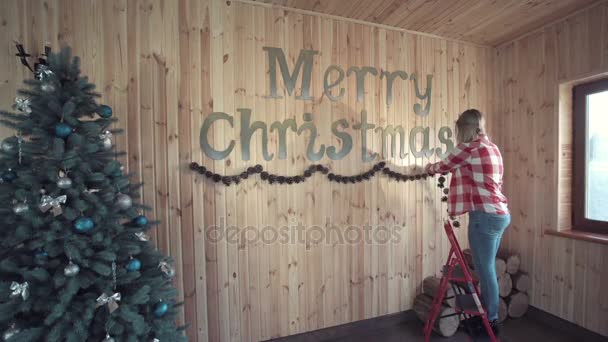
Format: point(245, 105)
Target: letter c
point(210, 151)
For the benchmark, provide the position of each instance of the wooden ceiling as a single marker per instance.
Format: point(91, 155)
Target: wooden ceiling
point(487, 22)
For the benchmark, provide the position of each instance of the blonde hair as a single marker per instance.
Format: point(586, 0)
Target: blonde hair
point(469, 126)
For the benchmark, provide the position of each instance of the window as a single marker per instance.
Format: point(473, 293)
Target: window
point(590, 155)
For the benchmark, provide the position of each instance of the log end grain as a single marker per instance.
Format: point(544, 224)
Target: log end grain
point(501, 267)
point(446, 326)
point(430, 287)
point(513, 263)
point(502, 310)
point(522, 282)
point(505, 285)
point(517, 304)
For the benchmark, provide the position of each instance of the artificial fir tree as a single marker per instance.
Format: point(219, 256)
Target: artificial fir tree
point(75, 263)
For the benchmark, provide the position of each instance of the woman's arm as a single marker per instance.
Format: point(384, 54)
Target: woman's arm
point(458, 157)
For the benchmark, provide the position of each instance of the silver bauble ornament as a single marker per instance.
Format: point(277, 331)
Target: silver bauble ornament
point(107, 144)
point(47, 87)
point(64, 182)
point(9, 333)
point(20, 208)
point(106, 140)
point(71, 270)
point(124, 202)
point(108, 339)
point(7, 145)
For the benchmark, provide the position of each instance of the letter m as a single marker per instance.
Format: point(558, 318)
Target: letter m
point(392, 132)
point(276, 55)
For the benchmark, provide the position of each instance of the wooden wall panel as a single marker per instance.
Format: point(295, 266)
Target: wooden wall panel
point(259, 291)
point(164, 66)
point(532, 72)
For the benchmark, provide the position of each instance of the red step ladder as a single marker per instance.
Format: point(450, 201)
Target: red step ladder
point(457, 272)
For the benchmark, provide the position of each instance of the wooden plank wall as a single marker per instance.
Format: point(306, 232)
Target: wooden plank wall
point(165, 65)
point(258, 290)
point(568, 275)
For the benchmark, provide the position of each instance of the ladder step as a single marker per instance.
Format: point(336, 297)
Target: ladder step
point(466, 302)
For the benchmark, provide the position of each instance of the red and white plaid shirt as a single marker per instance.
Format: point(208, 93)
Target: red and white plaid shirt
point(476, 183)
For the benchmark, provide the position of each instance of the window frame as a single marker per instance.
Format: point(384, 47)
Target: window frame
point(579, 165)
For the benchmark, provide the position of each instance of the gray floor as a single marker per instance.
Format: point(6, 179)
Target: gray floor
point(520, 330)
point(535, 327)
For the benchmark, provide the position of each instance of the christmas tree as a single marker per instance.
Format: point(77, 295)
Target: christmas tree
point(75, 260)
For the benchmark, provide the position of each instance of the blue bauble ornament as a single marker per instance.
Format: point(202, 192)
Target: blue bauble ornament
point(133, 265)
point(140, 221)
point(104, 111)
point(63, 130)
point(41, 254)
point(41, 257)
point(161, 309)
point(84, 224)
point(9, 176)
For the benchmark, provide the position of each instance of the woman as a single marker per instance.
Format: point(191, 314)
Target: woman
point(476, 189)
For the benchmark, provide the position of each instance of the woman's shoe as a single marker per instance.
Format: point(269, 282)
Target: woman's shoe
point(495, 327)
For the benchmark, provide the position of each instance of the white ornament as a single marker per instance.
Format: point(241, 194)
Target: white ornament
point(106, 138)
point(23, 104)
point(7, 145)
point(141, 236)
point(123, 201)
point(47, 87)
point(108, 339)
point(64, 183)
point(167, 269)
point(71, 270)
point(43, 72)
point(10, 332)
point(20, 208)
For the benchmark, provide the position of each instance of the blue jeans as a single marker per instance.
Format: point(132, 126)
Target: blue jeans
point(485, 232)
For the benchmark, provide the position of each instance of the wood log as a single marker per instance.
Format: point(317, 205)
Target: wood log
point(517, 304)
point(501, 265)
point(505, 284)
point(468, 257)
point(513, 261)
point(430, 286)
point(445, 326)
point(522, 282)
point(475, 275)
point(502, 310)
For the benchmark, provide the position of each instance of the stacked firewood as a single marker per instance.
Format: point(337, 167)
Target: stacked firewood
point(513, 284)
point(446, 326)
